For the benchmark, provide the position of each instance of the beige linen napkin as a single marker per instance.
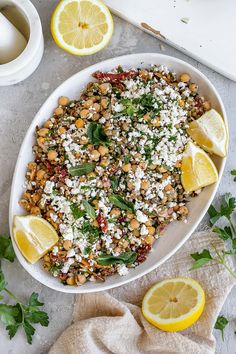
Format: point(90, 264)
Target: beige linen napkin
point(112, 322)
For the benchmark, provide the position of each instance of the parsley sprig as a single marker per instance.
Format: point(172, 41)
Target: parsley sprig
point(227, 233)
point(220, 324)
point(20, 314)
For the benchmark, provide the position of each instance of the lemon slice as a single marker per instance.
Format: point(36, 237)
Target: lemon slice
point(174, 304)
point(198, 170)
point(34, 236)
point(209, 131)
point(81, 27)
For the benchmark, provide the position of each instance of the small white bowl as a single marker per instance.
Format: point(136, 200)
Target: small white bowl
point(178, 232)
point(26, 63)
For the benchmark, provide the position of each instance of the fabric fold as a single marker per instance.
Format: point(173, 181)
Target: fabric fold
point(112, 321)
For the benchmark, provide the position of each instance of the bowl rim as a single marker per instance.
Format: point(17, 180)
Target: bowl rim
point(122, 280)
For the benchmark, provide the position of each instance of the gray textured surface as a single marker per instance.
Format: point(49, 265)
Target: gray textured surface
point(18, 105)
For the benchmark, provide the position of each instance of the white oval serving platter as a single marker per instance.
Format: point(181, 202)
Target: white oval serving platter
point(176, 233)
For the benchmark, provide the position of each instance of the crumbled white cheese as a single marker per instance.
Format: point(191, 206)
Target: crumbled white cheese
point(122, 269)
point(141, 217)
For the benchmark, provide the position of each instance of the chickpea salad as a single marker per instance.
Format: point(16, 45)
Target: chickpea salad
point(107, 170)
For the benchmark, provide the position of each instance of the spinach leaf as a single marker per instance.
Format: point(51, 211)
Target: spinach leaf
point(124, 258)
point(96, 134)
point(76, 211)
point(121, 203)
point(114, 182)
point(80, 170)
point(89, 209)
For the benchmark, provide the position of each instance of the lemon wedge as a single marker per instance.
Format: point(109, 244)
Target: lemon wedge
point(198, 169)
point(209, 132)
point(34, 236)
point(81, 27)
point(174, 304)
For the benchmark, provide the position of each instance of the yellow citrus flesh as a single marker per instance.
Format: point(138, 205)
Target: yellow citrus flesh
point(210, 132)
point(34, 236)
point(198, 170)
point(174, 304)
point(81, 27)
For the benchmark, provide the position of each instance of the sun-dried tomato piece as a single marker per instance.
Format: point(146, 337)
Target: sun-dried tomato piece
point(102, 221)
point(114, 77)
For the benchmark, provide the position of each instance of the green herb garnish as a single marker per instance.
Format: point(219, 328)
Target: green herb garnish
point(114, 182)
point(233, 173)
point(121, 203)
point(21, 315)
point(89, 209)
point(76, 211)
point(220, 324)
point(127, 158)
point(97, 135)
point(91, 232)
point(6, 249)
point(124, 258)
point(81, 170)
point(227, 233)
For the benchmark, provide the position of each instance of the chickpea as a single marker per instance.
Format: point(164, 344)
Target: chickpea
point(48, 124)
point(146, 117)
point(149, 239)
point(35, 197)
point(193, 87)
point(46, 258)
point(183, 210)
point(61, 130)
point(104, 163)
point(41, 141)
point(83, 140)
point(104, 103)
point(52, 155)
point(95, 203)
point(79, 123)
point(103, 150)
point(129, 215)
point(136, 233)
point(178, 164)
point(152, 166)
point(91, 175)
point(32, 166)
point(47, 265)
point(207, 105)
point(134, 167)
point(126, 167)
point(96, 107)
point(151, 230)
point(144, 74)
point(67, 244)
point(35, 210)
point(105, 87)
point(181, 103)
point(70, 281)
point(88, 103)
point(185, 78)
point(40, 174)
point(95, 155)
point(145, 184)
point(130, 185)
point(134, 224)
point(81, 278)
point(95, 116)
point(115, 212)
point(84, 113)
point(63, 101)
point(162, 169)
point(165, 176)
point(156, 122)
point(117, 249)
point(58, 111)
point(43, 132)
point(95, 223)
point(168, 188)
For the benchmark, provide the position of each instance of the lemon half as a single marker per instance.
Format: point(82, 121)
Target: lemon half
point(81, 27)
point(198, 169)
point(209, 132)
point(174, 304)
point(34, 236)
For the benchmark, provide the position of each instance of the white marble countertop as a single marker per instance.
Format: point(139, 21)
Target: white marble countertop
point(18, 105)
